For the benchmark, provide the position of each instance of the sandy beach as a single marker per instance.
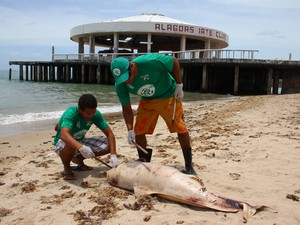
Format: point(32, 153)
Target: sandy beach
point(245, 148)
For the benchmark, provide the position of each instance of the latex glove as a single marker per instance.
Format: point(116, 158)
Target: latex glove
point(131, 137)
point(178, 93)
point(114, 162)
point(86, 152)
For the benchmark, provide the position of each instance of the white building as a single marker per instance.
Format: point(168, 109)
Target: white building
point(147, 33)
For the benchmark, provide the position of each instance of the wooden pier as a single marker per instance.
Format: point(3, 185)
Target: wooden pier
point(212, 71)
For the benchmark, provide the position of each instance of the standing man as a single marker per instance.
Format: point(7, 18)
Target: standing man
point(156, 79)
point(70, 141)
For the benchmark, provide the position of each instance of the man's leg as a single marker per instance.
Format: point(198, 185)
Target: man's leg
point(185, 143)
point(66, 155)
point(142, 141)
point(78, 159)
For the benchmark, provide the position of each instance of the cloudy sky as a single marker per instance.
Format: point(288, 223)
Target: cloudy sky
point(29, 28)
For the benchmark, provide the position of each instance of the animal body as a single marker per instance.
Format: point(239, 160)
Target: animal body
point(169, 183)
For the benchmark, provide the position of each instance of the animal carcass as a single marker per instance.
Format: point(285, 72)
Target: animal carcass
point(169, 183)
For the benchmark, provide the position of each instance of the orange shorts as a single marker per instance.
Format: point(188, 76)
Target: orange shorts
point(149, 110)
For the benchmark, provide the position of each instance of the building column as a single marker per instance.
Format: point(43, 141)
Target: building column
point(92, 44)
point(116, 43)
point(182, 46)
point(80, 48)
point(149, 42)
point(207, 54)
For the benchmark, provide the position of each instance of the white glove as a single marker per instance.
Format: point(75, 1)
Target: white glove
point(86, 152)
point(114, 162)
point(178, 93)
point(131, 137)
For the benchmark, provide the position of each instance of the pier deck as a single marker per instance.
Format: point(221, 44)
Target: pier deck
point(214, 71)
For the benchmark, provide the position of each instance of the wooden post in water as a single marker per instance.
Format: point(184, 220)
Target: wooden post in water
point(31, 72)
point(52, 72)
point(91, 76)
point(275, 83)
point(45, 73)
point(67, 73)
point(10, 73)
point(98, 74)
point(236, 80)
point(40, 71)
point(59, 74)
point(35, 74)
point(82, 73)
point(204, 78)
point(107, 74)
point(26, 73)
point(21, 71)
point(269, 81)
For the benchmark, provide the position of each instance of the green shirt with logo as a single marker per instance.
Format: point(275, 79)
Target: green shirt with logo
point(78, 126)
point(154, 79)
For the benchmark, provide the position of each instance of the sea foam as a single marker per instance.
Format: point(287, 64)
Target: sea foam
point(39, 116)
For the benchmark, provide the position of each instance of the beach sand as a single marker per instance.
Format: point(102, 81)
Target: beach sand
point(245, 148)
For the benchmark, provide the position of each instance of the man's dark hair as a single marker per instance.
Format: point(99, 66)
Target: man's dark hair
point(87, 101)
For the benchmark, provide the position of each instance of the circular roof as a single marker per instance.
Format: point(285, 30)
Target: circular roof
point(153, 17)
point(165, 33)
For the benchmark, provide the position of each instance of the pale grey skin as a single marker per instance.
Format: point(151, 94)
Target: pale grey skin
point(169, 183)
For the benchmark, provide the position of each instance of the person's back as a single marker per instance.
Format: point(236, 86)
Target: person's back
point(156, 79)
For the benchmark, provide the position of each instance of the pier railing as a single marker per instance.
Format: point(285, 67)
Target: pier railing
point(190, 54)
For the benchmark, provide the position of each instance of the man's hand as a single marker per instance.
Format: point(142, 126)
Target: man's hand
point(131, 137)
point(178, 93)
point(86, 152)
point(114, 162)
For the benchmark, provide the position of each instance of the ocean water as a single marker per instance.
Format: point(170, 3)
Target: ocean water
point(24, 102)
point(27, 101)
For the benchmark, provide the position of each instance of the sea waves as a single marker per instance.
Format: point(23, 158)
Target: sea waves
point(7, 119)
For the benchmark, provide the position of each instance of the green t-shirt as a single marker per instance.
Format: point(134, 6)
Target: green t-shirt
point(79, 126)
point(154, 79)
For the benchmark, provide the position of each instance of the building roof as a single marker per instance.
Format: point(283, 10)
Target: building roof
point(150, 17)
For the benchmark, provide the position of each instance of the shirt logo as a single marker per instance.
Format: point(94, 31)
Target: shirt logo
point(80, 134)
point(147, 90)
point(145, 77)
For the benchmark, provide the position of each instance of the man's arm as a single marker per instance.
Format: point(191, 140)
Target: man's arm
point(128, 116)
point(176, 71)
point(111, 140)
point(65, 135)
